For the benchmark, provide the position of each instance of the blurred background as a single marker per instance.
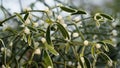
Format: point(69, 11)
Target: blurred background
point(111, 7)
point(107, 6)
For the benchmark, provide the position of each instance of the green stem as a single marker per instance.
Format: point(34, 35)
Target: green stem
point(23, 53)
point(75, 53)
point(82, 53)
point(30, 60)
point(80, 33)
point(62, 56)
point(83, 19)
point(94, 64)
point(4, 51)
point(20, 14)
point(64, 64)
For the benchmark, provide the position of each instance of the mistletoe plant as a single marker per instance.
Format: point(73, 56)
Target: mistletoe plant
point(54, 40)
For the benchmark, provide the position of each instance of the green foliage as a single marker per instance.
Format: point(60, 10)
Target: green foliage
point(47, 60)
point(26, 16)
point(58, 41)
point(68, 9)
point(79, 12)
point(106, 16)
point(72, 11)
point(48, 37)
point(63, 31)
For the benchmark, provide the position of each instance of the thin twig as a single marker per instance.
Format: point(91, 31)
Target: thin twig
point(20, 14)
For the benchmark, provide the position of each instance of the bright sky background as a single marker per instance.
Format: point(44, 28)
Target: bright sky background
point(13, 5)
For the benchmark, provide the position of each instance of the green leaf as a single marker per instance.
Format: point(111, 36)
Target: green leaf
point(32, 28)
point(41, 30)
point(52, 50)
point(67, 48)
point(29, 40)
point(20, 17)
point(81, 63)
point(79, 12)
point(48, 38)
point(104, 46)
point(82, 52)
point(108, 42)
point(11, 31)
point(63, 31)
point(47, 60)
point(93, 51)
point(24, 37)
point(87, 62)
point(26, 16)
point(67, 9)
point(105, 43)
point(105, 56)
point(106, 16)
